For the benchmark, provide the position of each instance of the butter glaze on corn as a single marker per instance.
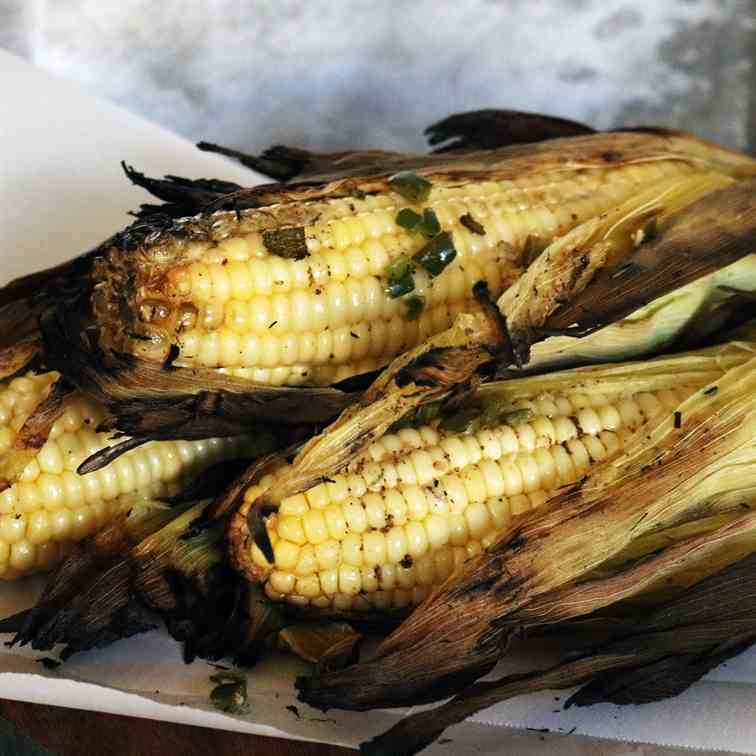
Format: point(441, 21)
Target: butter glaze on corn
point(230, 304)
point(51, 507)
point(422, 501)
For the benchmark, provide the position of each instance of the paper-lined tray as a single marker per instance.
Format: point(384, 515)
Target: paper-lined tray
point(61, 192)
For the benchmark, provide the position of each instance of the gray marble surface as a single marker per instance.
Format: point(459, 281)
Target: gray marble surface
point(375, 72)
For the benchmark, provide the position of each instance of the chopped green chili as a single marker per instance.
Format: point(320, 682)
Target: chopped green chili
point(399, 275)
point(401, 286)
point(436, 254)
point(289, 243)
point(230, 693)
point(429, 225)
point(410, 186)
point(415, 307)
point(408, 218)
point(398, 269)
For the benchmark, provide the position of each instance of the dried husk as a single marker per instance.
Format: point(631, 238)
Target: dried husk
point(150, 564)
point(648, 658)
point(685, 318)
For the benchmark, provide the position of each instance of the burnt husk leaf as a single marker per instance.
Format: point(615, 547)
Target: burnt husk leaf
point(121, 583)
point(33, 434)
point(283, 163)
point(648, 659)
point(181, 196)
point(491, 129)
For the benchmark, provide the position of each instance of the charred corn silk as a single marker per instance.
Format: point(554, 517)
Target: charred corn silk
point(423, 500)
point(323, 314)
point(51, 506)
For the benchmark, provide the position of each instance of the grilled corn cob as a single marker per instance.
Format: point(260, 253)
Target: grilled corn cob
point(423, 500)
point(297, 291)
point(50, 506)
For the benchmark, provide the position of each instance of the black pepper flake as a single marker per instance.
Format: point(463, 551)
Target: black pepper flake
point(710, 391)
point(173, 353)
point(272, 324)
point(407, 561)
point(472, 225)
point(288, 243)
point(353, 335)
point(678, 420)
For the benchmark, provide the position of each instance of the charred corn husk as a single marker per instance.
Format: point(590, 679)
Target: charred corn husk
point(425, 499)
point(296, 289)
point(50, 506)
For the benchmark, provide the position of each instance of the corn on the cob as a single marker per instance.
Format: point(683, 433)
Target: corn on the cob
point(220, 293)
point(422, 500)
point(50, 506)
